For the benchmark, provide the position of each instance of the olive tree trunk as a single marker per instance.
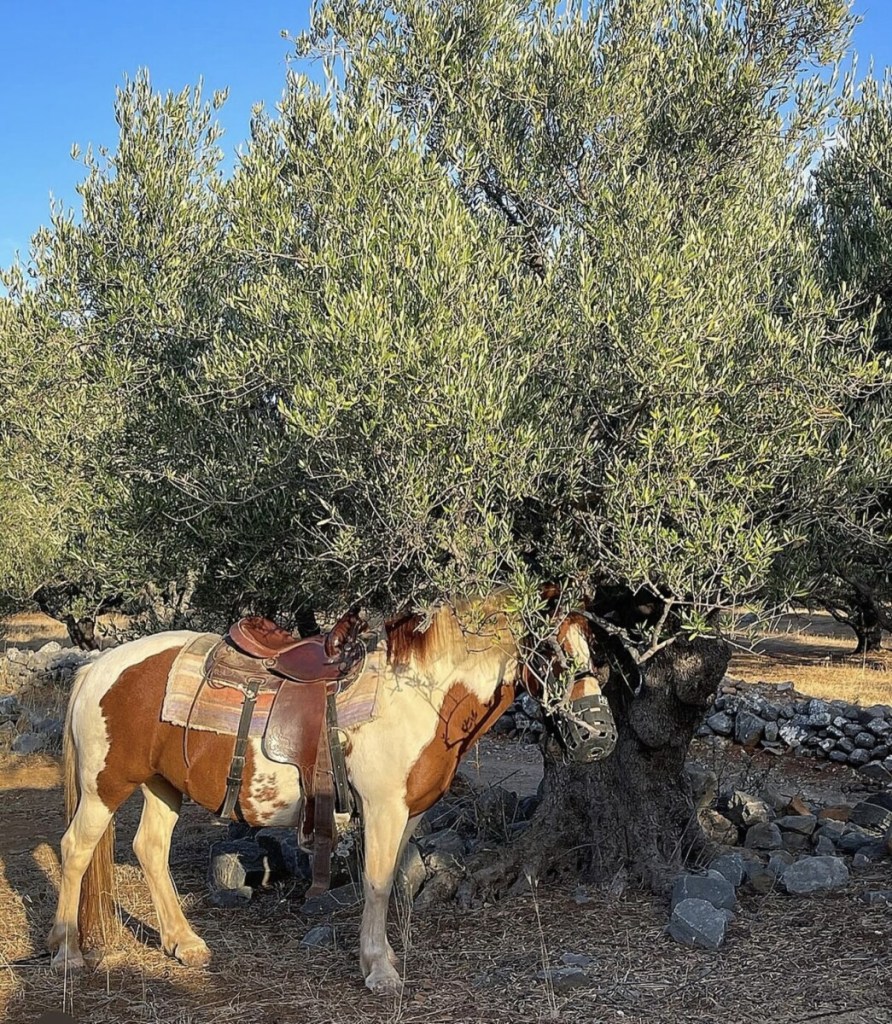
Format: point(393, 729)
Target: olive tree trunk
point(630, 816)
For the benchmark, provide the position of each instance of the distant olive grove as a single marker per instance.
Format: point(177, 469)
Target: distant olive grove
point(593, 294)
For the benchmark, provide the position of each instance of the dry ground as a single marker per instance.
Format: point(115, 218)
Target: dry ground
point(826, 959)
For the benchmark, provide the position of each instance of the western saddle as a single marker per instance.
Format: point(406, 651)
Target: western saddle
point(258, 656)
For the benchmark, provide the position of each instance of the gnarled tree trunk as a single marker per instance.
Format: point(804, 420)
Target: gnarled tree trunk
point(630, 815)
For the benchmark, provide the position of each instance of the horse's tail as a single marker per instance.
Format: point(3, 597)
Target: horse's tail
point(96, 907)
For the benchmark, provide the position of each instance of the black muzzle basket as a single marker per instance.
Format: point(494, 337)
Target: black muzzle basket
point(586, 731)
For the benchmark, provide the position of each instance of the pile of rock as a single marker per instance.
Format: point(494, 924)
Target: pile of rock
point(773, 718)
point(798, 850)
point(23, 728)
point(432, 870)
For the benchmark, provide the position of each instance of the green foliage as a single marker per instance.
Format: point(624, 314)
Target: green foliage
point(849, 558)
point(522, 294)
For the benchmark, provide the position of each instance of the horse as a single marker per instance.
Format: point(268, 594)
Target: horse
point(443, 683)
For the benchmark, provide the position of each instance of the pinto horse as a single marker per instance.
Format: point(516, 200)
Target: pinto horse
point(442, 685)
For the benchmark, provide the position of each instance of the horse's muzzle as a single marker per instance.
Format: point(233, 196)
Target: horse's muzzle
point(587, 732)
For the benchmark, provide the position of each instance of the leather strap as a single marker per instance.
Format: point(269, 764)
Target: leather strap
point(237, 767)
point(323, 818)
point(343, 793)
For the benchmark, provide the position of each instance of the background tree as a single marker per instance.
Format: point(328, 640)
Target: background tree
point(852, 208)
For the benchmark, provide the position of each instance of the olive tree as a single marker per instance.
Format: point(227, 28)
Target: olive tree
point(851, 555)
point(520, 295)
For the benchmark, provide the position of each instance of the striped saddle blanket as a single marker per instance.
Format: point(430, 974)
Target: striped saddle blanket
point(192, 700)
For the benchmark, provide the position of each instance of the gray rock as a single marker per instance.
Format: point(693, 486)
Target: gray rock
point(878, 771)
point(793, 735)
point(53, 647)
point(795, 842)
point(831, 829)
point(803, 823)
point(30, 743)
point(576, 960)
point(866, 740)
point(718, 890)
point(852, 729)
point(342, 898)
point(819, 721)
point(564, 979)
point(879, 728)
point(853, 839)
point(859, 757)
point(10, 707)
point(237, 864)
point(748, 728)
point(839, 756)
point(721, 724)
point(411, 874)
point(871, 816)
point(816, 706)
point(852, 712)
point(815, 874)
point(319, 935)
point(761, 877)
point(878, 712)
point(229, 898)
point(845, 746)
point(824, 847)
point(447, 842)
point(779, 861)
point(772, 732)
point(697, 922)
point(870, 853)
point(49, 725)
point(731, 866)
point(763, 836)
point(877, 897)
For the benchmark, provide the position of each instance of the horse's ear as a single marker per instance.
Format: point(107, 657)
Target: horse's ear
point(343, 631)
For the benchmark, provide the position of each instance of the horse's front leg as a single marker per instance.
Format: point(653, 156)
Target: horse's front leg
point(386, 830)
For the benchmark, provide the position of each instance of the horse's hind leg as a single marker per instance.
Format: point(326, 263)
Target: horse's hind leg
point(152, 848)
point(87, 827)
point(385, 827)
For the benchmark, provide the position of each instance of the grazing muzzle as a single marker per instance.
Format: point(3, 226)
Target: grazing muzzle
point(586, 730)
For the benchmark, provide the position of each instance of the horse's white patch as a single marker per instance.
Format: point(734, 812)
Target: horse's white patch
point(93, 682)
point(274, 793)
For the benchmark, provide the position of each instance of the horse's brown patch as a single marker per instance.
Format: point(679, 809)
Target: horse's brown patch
point(463, 719)
point(141, 745)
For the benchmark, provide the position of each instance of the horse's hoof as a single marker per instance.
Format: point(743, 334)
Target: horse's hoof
point(65, 960)
point(193, 954)
point(384, 981)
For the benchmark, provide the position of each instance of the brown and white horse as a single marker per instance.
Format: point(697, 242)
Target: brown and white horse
point(441, 688)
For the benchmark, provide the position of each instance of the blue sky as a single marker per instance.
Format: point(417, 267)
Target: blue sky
point(60, 61)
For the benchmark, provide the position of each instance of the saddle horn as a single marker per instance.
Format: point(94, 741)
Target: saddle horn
point(343, 632)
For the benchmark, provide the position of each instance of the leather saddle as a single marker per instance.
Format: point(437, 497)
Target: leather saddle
point(258, 656)
point(312, 659)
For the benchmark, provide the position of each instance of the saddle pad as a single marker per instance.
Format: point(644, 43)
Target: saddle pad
point(217, 709)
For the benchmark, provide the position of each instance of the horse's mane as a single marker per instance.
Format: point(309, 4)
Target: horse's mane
point(454, 629)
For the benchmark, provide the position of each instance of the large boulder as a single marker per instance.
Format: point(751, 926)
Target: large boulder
point(815, 874)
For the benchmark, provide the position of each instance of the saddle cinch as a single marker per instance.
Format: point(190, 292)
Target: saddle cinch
point(258, 656)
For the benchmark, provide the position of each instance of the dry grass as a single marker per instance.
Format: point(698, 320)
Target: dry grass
point(814, 652)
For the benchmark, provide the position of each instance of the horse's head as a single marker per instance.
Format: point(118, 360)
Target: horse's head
point(563, 674)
